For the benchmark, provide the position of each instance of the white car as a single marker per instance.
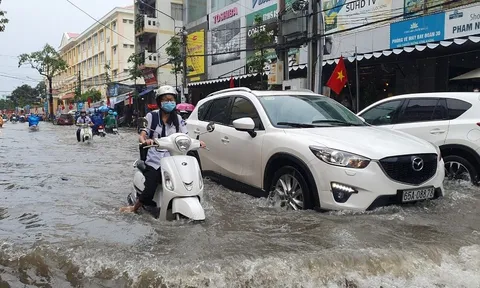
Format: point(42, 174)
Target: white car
point(450, 120)
point(307, 151)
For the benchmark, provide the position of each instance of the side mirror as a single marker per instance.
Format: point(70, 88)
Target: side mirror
point(246, 125)
point(210, 127)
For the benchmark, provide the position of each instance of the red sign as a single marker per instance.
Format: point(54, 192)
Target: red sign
point(225, 15)
point(149, 77)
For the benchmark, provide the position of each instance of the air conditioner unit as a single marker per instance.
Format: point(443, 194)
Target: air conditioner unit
point(295, 84)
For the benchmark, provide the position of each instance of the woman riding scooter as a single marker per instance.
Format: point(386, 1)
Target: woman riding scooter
point(169, 123)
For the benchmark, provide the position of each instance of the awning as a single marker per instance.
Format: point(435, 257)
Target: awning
point(68, 96)
point(146, 91)
point(123, 97)
point(469, 75)
point(360, 57)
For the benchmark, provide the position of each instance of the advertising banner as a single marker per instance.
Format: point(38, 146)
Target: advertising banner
point(462, 22)
point(149, 77)
point(226, 42)
point(196, 46)
point(417, 31)
point(343, 14)
point(414, 8)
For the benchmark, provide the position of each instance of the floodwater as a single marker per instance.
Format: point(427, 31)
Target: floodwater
point(60, 227)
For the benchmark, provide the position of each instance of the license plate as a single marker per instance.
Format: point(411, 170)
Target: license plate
point(115, 129)
point(418, 194)
point(100, 130)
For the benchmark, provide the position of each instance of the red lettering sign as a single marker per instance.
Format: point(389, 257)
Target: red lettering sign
point(225, 15)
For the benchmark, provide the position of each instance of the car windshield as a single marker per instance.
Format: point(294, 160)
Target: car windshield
point(307, 111)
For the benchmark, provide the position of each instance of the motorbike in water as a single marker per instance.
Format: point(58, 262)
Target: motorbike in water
point(86, 134)
point(101, 131)
point(181, 192)
point(14, 120)
point(33, 122)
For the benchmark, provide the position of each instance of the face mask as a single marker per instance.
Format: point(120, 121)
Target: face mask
point(168, 106)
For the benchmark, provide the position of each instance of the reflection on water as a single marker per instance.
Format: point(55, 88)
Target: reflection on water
point(60, 227)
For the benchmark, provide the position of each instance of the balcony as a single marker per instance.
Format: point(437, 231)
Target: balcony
point(145, 24)
point(149, 59)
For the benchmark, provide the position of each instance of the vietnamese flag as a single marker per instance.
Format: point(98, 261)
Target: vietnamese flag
point(339, 77)
point(232, 83)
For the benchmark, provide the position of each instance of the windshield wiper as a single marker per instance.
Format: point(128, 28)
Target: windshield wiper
point(336, 121)
point(297, 125)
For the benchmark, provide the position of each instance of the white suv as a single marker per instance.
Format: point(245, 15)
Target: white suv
point(307, 151)
point(449, 120)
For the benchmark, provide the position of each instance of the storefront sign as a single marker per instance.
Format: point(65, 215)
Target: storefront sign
point(226, 42)
point(462, 22)
point(196, 46)
point(342, 14)
point(149, 77)
point(230, 13)
point(417, 31)
point(259, 3)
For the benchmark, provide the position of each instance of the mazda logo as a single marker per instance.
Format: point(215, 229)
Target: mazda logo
point(185, 164)
point(417, 164)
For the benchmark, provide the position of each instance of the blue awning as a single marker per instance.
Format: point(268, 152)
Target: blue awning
point(146, 91)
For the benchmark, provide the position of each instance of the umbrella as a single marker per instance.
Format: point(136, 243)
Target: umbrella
point(185, 107)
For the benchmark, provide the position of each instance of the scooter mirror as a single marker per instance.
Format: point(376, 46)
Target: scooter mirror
point(210, 127)
point(142, 123)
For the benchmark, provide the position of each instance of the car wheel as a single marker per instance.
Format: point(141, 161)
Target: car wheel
point(458, 168)
point(290, 191)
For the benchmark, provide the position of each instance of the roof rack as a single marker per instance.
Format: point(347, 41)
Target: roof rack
point(244, 89)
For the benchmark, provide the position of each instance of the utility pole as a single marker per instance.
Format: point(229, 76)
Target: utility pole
point(357, 84)
point(184, 54)
point(312, 44)
point(319, 62)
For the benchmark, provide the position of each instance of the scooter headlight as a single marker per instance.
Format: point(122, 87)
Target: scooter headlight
point(183, 143)
point(168, 181)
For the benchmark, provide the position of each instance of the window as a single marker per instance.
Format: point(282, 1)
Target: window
point(125, 70)
point(441, 111)
point(114, 25)
point(456, 108)
point(418, 110)
point(102, 57)
point(202, 110)
point(90, 63)
point(125, 20)
point(125, 45)
point(95, 60)
point(383, 114)
point(114, 50)
point(115, 73)
point(130, 21)
point(89, 43)
point(218, 4)
point(177, 11)
point(132, 46)
point(244, 108)
point(95, 38)
point(218, 111)
point(100, 36)
point(83, 47)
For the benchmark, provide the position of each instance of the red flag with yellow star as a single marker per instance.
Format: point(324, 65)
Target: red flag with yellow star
point(339, 77)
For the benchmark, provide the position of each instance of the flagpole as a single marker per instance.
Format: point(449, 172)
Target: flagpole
point(357, 88)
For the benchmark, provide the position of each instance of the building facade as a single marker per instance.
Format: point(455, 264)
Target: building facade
point(403, 46)
point(156, 22)
point(87, 54)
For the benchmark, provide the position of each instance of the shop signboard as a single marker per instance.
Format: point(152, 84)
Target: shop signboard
point(225, 29)
point(196, 46)
point(462, 22)
point(344, 14)
point(416, 31)
point(415, 8)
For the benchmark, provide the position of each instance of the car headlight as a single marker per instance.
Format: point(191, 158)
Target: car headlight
point(183, 143)
point(340, 158)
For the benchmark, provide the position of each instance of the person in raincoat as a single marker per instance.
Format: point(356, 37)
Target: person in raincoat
point(110, 121)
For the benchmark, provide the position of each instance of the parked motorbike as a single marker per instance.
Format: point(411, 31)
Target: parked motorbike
point(14, 120)
point(181, 192)
point(86, 134)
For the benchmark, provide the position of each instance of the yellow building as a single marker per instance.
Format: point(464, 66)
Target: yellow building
point(111, 42)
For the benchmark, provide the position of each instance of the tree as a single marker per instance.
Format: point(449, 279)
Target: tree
point(174, 52)
point(3, 19)
point(24, 95)
point(93, 94)
point(48, 63)
point(136, 61)
point(41, 89)
point(6, 104)
point(261, 39)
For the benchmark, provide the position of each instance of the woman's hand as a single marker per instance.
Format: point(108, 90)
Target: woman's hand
point(129, 209)
point(149, 142)
point(202, 144)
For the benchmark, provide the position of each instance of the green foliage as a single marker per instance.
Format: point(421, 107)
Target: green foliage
point(6, 104)
point(260, 39)
point(136, 60)
point(46, 61)
point(93, 94)
point(41, 90)
point(3, 19)
point(24, 95)
point(174, 52)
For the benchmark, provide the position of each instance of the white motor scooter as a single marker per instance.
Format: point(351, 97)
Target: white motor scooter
point(86, 134)
point(181, 191)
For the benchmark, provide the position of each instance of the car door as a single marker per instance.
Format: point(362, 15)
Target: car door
point(383, 114)
point(214, 159)
point(244, 161)
point(426, 118)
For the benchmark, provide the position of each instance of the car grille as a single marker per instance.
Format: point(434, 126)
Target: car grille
point(402, 169)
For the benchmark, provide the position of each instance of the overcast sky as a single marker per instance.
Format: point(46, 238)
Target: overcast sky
point(33, 23)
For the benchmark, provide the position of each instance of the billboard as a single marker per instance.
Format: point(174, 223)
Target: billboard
point(226, 42)
point(419, 30)
point(420, 7)
point(343, 14)
point(462, 22)
point(196, 46)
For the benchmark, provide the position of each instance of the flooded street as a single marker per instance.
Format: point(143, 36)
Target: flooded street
point(60, 227)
